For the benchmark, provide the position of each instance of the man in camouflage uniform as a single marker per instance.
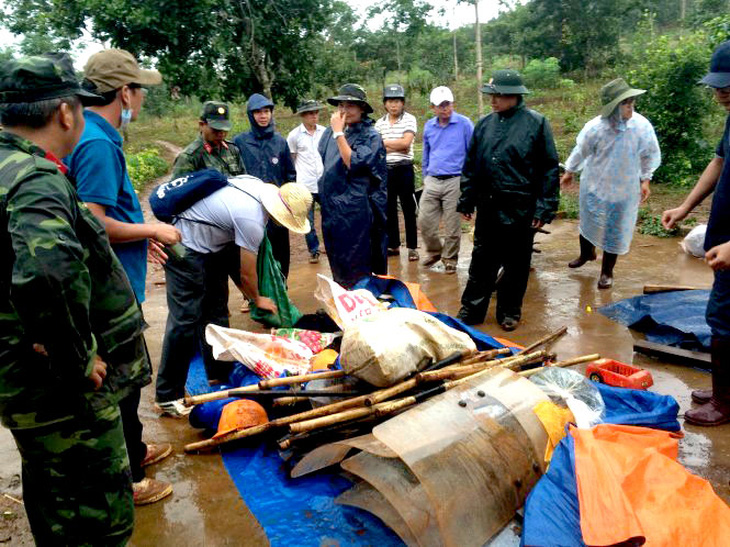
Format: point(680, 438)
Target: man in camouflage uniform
point(70, 329)
point(211, 150)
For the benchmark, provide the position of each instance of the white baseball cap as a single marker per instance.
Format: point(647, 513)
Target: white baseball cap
point(441, 94)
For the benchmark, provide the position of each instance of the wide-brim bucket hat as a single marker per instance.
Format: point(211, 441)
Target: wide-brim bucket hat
point(614, 92)
point(352, 93)
point(505, 82)
point(309, 106)
point(289, 205)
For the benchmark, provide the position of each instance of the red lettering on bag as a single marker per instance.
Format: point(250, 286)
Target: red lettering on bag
point(347, 302)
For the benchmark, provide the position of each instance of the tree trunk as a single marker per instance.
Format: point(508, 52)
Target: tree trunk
point(456, 60)
point(479, 59)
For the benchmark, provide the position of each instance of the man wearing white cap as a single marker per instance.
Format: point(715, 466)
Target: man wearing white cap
point(197, 280)
point(446, 139)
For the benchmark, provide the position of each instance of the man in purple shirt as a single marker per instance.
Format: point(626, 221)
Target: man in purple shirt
point(446, 139)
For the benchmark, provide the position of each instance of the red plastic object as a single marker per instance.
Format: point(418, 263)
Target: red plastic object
point(615, 373)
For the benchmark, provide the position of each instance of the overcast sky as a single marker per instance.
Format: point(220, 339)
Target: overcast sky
point(455, 15)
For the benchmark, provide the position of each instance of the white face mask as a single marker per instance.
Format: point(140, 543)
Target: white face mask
point(126, 116)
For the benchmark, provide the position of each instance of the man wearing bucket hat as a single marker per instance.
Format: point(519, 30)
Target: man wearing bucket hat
point(353, 189)
point(511, 178)
point(102, 181)
point(303, 143)
point(398, 129)
point(197, 277)
point(714, 403)
point(211, 150)
point(266, 156)
point(70, 343)
point(617, 153)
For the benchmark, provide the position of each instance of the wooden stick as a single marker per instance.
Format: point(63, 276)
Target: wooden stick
point(288, 401)
point(11, 498)
point(486, 355)
point(561, 364)
point(549, 339)
point(307, 394)
point(653, 289)
point(264, 384)
point(458, 372)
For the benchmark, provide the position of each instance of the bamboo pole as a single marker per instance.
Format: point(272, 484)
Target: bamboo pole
point(561, 364)
point(549, 339)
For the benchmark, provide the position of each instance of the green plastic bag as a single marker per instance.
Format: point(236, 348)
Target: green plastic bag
point(273, 285)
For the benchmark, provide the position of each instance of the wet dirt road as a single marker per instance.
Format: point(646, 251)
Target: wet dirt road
point(206, 509)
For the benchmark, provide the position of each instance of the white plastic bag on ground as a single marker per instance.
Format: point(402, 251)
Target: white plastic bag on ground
point(386, 347)
point(694, 242)
point(346, 307)
point(266, 355)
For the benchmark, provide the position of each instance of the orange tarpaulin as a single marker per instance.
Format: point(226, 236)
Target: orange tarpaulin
point(631, 486)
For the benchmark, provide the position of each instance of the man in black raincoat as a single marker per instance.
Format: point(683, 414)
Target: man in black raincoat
point(266, 156)
point(511, 177)
point(353, 190)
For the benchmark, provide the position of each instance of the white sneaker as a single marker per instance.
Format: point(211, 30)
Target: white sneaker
point(174, 409)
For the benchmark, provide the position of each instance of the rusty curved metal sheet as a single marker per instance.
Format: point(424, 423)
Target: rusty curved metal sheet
point(363, 496)
point(475, 449)
point(333, 453)
point(403, 491)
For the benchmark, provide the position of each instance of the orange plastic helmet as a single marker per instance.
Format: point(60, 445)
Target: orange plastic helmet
point(324, 359)
point(240, 414)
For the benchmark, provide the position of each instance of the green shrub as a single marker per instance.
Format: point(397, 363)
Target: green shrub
point(543, 73)
point(651, 225)
point(674, 103)
point(569, 207)
point(145, 166)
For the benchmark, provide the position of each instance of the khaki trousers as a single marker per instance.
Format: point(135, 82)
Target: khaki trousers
point(438, 201)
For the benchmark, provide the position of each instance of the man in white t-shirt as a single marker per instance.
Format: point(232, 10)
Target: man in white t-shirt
point(197, 277)
point(303, 141)
point(398, 130)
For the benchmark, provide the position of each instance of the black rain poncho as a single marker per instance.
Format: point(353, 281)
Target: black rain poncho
point(354, 204)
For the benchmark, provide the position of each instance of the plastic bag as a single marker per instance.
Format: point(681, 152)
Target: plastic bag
point(273, 285)
point(266, 355)
point(572, 389)
point(346, 307)
point(387, 347)
point(694, 241)
point(316, 341)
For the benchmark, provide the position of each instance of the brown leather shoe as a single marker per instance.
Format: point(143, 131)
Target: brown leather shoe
point(156, 453)
point(717, 410)
point(702, 396)
point(149, 491)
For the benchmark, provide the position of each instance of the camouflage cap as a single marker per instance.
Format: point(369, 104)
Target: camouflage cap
point(111, 69)
point(216, 115)
point(351, 93)
point(42, 77)
point(309, 105)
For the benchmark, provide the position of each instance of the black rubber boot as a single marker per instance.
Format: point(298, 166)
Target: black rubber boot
point(587, 253)
point(607, 265)
point(717, 410)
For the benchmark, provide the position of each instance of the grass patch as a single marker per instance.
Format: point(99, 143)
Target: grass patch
point(651, 225)
point(145, 166)
point(568, 207)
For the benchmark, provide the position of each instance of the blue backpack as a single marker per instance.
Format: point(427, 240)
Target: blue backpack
point(170, 199)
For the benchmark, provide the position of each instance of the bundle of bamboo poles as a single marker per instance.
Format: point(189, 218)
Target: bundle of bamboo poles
point(431, 381)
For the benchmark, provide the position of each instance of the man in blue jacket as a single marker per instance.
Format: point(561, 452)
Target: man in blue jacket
point(266, 156)
point(353, 190)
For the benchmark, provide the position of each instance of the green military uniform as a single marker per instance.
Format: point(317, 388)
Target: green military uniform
point(202, 155)
point(63, 289)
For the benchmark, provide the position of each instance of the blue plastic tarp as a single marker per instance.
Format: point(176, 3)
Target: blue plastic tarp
point(674, 318)
point(293, 512)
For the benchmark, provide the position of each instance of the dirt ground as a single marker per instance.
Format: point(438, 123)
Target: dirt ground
point(206, 509)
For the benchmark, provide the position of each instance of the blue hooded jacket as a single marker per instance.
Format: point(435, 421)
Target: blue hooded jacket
point(265, 152)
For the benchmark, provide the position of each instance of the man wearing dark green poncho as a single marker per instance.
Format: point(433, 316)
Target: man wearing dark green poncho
point(197, 281)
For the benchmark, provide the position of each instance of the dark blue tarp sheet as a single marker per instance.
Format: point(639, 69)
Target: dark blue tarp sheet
point(552, 512)
point(298, 512)
point(674, 318)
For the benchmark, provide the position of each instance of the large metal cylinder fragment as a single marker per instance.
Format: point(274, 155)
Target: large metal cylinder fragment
point(452, 470)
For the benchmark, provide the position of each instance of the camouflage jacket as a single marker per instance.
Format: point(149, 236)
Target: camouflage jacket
point(200, 155)
point(61, 287)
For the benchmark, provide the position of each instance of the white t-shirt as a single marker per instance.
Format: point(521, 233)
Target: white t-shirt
point(405, 124)
point(231, 215)
point(308, 161)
